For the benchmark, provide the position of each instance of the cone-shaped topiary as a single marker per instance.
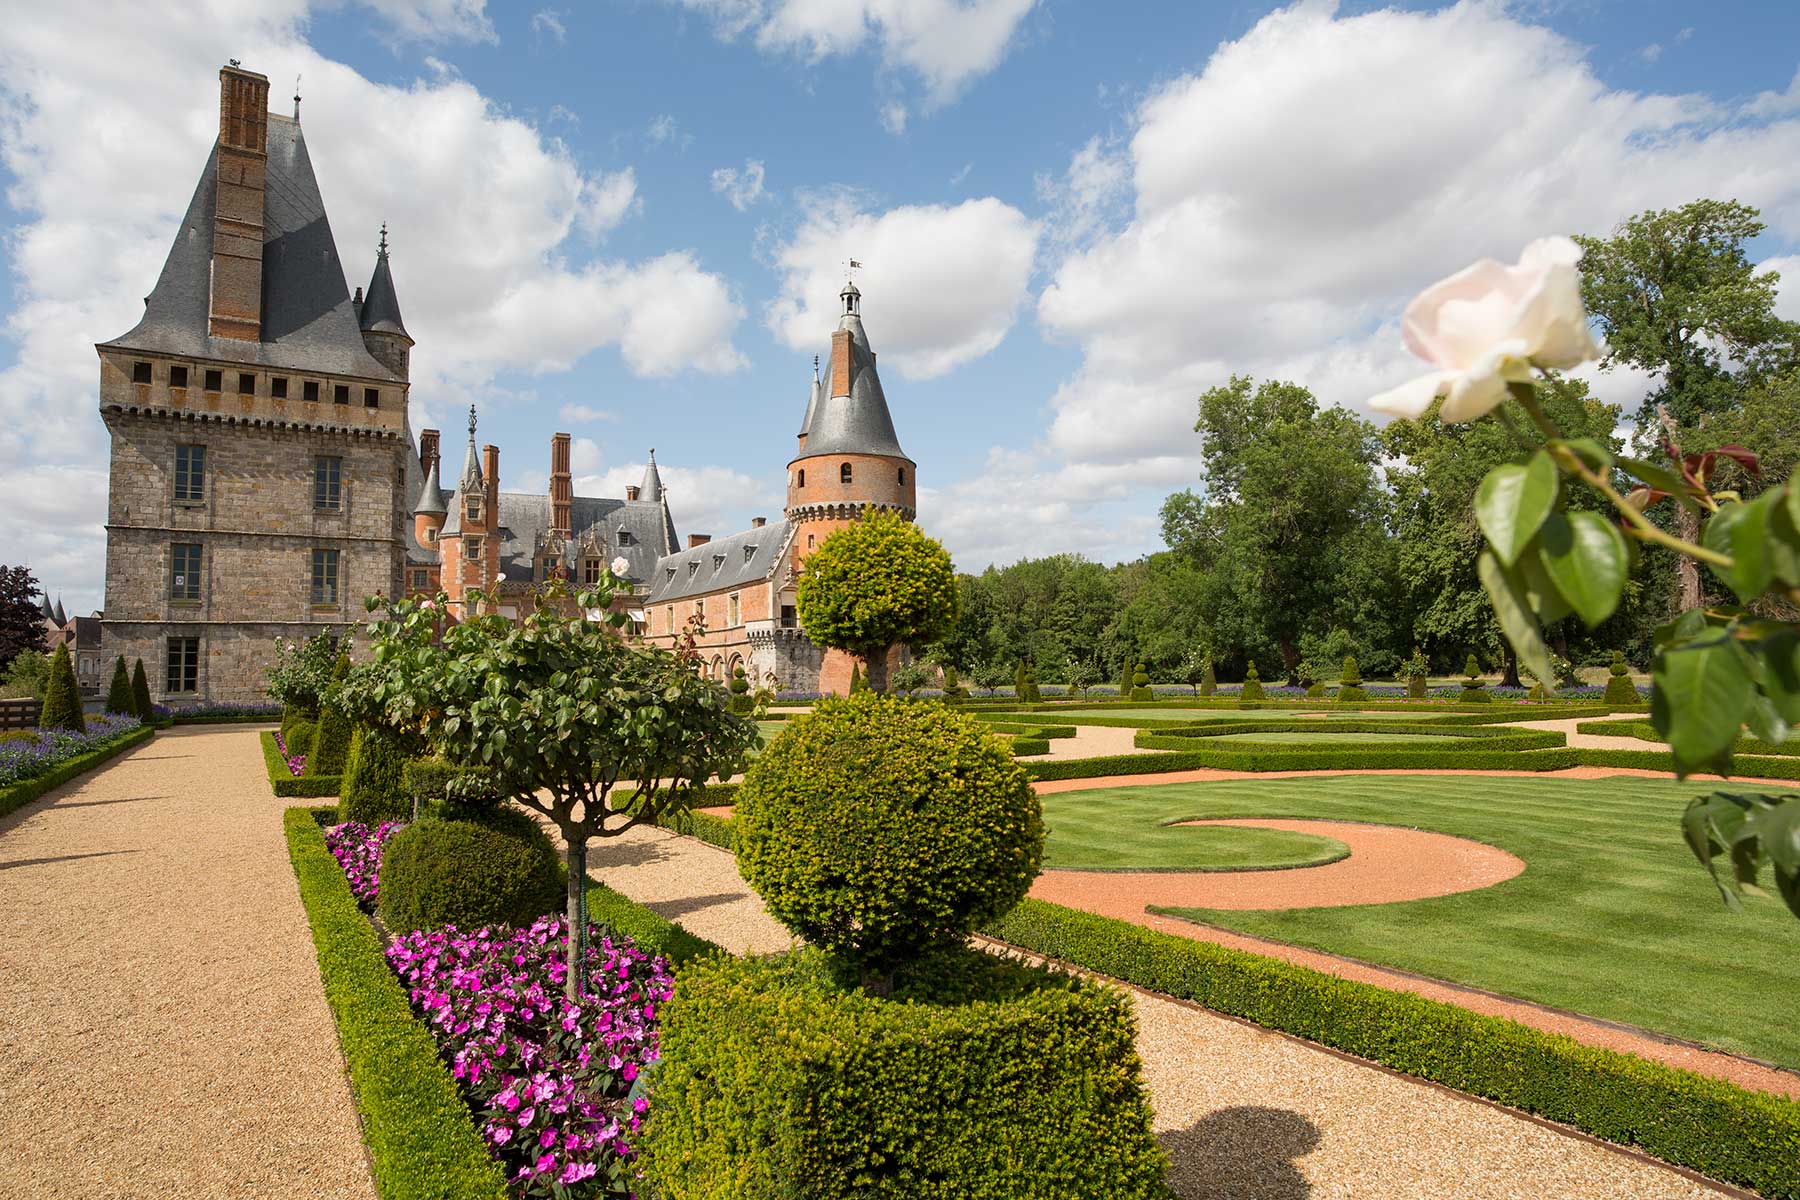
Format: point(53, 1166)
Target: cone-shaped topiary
point(880, 830)
point(857, 682)
point(62, 699)
point(331, 739)
point(1251, 694)
point(740, 691)
point(1140, 684)
point(1209, 681)
point(140, 693)
point(1019, 680)
point(1350, 688)
point(374, 785)
point(1125, 675)
point(1474, 688)
point(1619, 688)
point(118, 693)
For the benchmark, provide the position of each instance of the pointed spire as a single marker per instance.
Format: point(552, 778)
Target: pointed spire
point(652, 489)
point(431, 496)
point(812, 399)
point(49, 613)
point(849, 412)
point(60, 617)
point(471, 472)
point(381, 304)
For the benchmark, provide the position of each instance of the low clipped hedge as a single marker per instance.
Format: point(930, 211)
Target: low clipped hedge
point(1747, 1138)
point(714, 831)
point(285, 784)
point(499, 869)
point(1023, 746)
point(650, 930)
point(1029, 728)
point(988, 1080)
point(1456, 746)
point(26, 790)
point(1743, 766)
point(422, 1139)
point(1644, 731)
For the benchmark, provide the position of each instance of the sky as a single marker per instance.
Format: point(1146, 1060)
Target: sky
point(630, 219)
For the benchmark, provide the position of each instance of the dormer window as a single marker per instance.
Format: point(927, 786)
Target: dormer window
point(718, 561)
point(693, 568)
point(844, 473)
point(749, 553)
point(624, 537)
point(474, 508)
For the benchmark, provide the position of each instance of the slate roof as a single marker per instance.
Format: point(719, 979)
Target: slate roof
point(720, 563)
point(381, 304)
point(525, 517)
point(308, 321)
point(860, 422)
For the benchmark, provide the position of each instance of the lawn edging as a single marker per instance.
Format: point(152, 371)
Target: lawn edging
point(1738, 1136)
point(421, 1137)
point(25, 791)
point(287, 784)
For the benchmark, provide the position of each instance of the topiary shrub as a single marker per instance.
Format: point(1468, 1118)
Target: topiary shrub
point(1251, 694)
point(374, 786)
point(879, 830)
point(1028, 685)
point(62, 698)
point(1026, 745)
point(1140, 684)
point(500, 869)
point(1209, 681)
point(330, 745)
point(1125, 677)
point(1474, 688)
point(140, 693)
point(993, 1081)
point(1350, 688)
point(953, 688)
point(740, 691)
point(1415, 671)
point(857, 682)
point(1619, 688)
point(446, 791)
point(304, 734)
point(292, 717)
point(118, 693)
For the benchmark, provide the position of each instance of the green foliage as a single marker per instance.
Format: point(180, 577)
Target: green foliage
point(908, 678)
point(1140, 684)
point(1080, 674)
point(435, 788)
point(994, 1081)
point(27, 674)
point(62, 698)
point(1026, 746)
point(303, 733)
point(1474, 687)
point(118, 692)
point(374, 788)
point(1748, 1138)
point(1027, 686)
point(21, 618)
point(877, 583)
point(140, 692)
point(421, 1137)
point(879, 830)
point(648, 929)
point(303, 671)
point(14, 795)
point(283, 783)
point(1209, 682)
point(1126, 674)
point(954, 692)
point(331, 742)
point(1252, 692)
point(290, 718)
point(501, 869)
point(1619, 688)
point(858, 682)
point(1350, 688)
point(740, 692)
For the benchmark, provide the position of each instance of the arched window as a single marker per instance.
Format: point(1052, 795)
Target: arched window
point(902, 476)
point(844, 473)
point(802, 476)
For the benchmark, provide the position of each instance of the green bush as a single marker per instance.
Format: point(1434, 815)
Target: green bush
point(857, 682)
point(878, 829)
point(1350, 688)
point(118, 693)
point(330, 746)
point(291, 718)
point(374, 788)
point(282, 783)
point(435, 788)
point(740, 692)
point(1209, 681)
point(1315, 690)
point(1619, 688)
point(62, 699)
point(1742, 1137)
point(501, 869)
point(1474, 688)
point(1140, 684)
point(1029, 746)
point(1126, 674)
point(140, 693)
point(953, 688)
point(1252, 692)
point(304, 734)
point(994, 1081)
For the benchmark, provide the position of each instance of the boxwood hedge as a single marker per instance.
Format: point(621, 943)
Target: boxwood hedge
point(285, 784)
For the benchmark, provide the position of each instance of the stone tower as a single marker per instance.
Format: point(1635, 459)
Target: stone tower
point(262, 471)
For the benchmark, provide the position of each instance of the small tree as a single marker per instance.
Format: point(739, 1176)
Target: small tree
point(27, 674)
point(1081, 675)
point(1195, 666)
point(302, 671)
point(598, 734)
point(909, 678)
point(1027, 686)
point(989, 677)
point(875, 584)
point(140, 693)
point(62, 699)
point(118, 693)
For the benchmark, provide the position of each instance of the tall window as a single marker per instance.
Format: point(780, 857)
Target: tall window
point(190, 473)
point(309, 391)
point(590, 571)
point(802, 476)
point(214, 380)
point(324, 576)
point(671, 618)
point(474, 510)
point(184, 571)
point(140, 372)
point(902, 476)
point(328, 482)
point(731, 609)
point(182, 673)
point(178, 377)
point(844, 473)
point(246, 384)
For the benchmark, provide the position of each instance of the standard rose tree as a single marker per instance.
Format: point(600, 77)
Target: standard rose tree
point(571, 721)
point(1490, 332)
point(874, 585)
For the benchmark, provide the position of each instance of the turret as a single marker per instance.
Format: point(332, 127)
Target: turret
point(431, 506)
point(383, 332)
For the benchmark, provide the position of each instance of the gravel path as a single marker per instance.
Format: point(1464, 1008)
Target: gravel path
point(162, 1022)
point(1244, 1113)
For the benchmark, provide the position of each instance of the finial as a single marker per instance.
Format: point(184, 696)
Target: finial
point(296, 97)
point(653, 454)
point(471, 422)
point(815, 368)
point(384, 238)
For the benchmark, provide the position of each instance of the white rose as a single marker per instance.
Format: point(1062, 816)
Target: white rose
point(620, 565)
point(1489, 325)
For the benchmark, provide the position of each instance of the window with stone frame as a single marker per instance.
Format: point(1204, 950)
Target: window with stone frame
point(178, 377)
point(246, 384)
point(190, 473)
point(324, 576)
point(671, 612)
point(184, 571)
point(420, 579)
point(340, 393)
point(590, 571)
point(181, 671)
point(215, 381)
point(732, 610)
point(278, 387)
point(844, 473)
point(309, 391)
point(328, 483)
point(371, 397)
point(140, 372)
point(473, 510)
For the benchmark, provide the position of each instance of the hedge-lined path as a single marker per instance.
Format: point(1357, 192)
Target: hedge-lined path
point(1242, 1111)
point(162, 1022)
point(1092, 741)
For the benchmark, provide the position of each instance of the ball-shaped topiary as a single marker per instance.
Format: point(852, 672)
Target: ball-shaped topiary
point(1140, 684)
point(501, 869)
point(1350, 686)
point(879, 830)
point(374, 785)
point(740, 691)
point(1474, 688)
point(1619, 688)
point(1251, 693)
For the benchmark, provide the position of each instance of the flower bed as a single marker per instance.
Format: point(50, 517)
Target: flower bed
point(40, 751)
point(215, 713)
point(283, 779)
point(357, 849)
point(296, 763)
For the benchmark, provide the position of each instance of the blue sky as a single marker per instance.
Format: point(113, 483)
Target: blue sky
point(627, 219)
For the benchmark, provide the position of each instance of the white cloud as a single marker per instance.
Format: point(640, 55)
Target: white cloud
point(941, 284)
point(962, 174)
point(945, 44)
point(549, 21)
point(1090, 193)
point(741, 187)
point(1289, 197)
point(486, 219)
point(665, 130)
point(586, 412)
point(1777, 104)
point(1649, 54)
point(436, 21)
point(893, 118)
point(1787, 297)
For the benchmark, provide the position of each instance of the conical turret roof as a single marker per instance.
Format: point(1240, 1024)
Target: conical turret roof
point(381, 304)
point(432, 500)
point(652, 488)
point(856, 421)
point(60, 617)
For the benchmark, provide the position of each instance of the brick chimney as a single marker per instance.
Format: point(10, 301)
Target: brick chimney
point(758, 522)
point(631, 491)
point(235, 307)
point(698, 539)
point(490, 467)
point(562, 486)
point(428, 449)
point(840, 363)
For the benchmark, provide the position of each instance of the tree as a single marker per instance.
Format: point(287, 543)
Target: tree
point(27, 674)
point(118, 693)
point(1292, 503)
point(875, 584)
point(576, 724)
point(21, 618)
point(140, 693)
point(62, 699)
point(1677, 296)
point(1195, 667)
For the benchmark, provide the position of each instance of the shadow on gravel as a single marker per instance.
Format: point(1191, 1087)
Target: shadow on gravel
point(98, 803)
point(604, 853)
point(1247, 1150)
point(38, 862)
point(671, 909)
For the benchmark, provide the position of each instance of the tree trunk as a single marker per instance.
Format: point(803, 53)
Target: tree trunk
point(576, 857)
point(875, 672)
point(1290, 659)
point(1510, 676)
point(1687, 571)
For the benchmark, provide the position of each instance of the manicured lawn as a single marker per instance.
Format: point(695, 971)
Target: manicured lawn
point(1612, 916)
point(1090, 839)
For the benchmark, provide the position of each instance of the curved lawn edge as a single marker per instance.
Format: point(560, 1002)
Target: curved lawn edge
point(419, 1132)
point(1325, 851)
point(1732, 1134)
point(23, 793)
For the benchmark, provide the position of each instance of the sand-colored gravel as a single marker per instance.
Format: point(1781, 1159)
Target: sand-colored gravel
point(163, 1028)
point(1244, 1113)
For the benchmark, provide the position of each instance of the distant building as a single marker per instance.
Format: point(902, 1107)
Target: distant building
point(82, 636)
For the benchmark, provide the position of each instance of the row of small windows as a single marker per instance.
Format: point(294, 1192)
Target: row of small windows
point(733, 612)
point(185, 574)
point(845, 475)
point(214, 381)
point(190, 478)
